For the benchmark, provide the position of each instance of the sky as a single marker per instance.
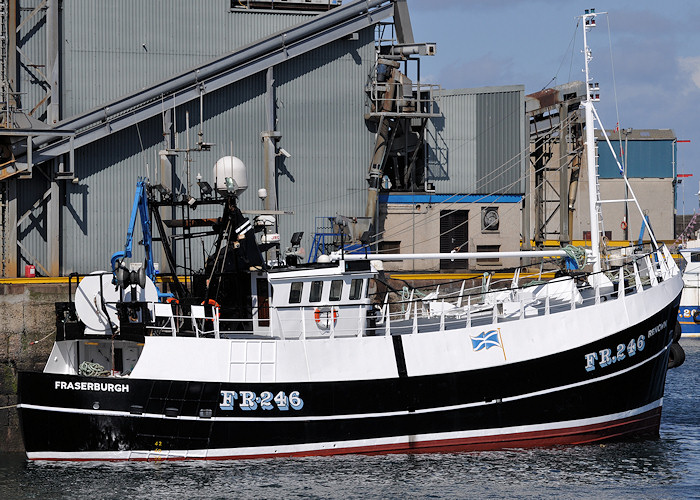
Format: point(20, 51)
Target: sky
point(645, 57)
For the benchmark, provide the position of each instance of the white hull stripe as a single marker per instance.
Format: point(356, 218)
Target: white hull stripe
point(345, 445)
point(113, 413)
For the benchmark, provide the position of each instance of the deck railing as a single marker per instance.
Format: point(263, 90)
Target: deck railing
point(445, 308)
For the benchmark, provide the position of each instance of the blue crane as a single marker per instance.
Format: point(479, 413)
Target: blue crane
point(140, 207)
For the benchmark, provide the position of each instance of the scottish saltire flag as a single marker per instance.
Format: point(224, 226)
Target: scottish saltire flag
point(486, 340)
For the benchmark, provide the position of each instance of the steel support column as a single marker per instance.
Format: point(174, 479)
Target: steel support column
point(564, 232)
point(526, 205)
point(53, 222)
point(402, 21)
point(539, 166)
point(52, 62)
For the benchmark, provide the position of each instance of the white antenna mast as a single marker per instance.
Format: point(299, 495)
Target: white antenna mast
point(592, 95)
point(593, 188)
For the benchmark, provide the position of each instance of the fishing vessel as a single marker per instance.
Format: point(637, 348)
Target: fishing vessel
point(689, 310)
point(247, 359)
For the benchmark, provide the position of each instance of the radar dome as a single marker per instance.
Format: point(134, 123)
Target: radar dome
point(230, 176)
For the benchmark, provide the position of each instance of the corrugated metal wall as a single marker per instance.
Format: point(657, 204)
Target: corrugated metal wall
point(113, 48)
point(320, 105)
point(477, 144)
point(650, 158)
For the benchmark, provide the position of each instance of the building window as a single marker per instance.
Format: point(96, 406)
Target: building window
point(336, 290)
point(295, 292)
point(316, 291)
point(390, 247)
point(587, 235)
point(488, 260)
point(355, 289)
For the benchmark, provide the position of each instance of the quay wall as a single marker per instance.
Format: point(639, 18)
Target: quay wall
point(27, 315)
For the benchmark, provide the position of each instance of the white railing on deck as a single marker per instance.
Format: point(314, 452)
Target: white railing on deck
point(483, 305)
point(654, 269)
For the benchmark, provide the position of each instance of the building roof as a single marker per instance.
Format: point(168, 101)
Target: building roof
point(661, 134)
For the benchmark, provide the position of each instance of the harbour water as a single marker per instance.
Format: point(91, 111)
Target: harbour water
point(668, 467)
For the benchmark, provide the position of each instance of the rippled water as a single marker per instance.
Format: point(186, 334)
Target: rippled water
point(665, 468)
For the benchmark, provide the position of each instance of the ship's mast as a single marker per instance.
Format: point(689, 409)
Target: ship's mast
point(593, 187)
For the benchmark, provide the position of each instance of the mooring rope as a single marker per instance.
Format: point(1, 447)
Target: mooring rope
point(43, 338)
point(577, 254)
point(91, 369)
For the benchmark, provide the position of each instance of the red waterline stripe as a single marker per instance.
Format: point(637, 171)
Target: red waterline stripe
point(646, 422)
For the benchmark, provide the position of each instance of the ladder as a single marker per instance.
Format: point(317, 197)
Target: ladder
point(5, 83)
point(599, 203)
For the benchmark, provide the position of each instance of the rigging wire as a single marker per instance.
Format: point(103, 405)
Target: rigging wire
point(491, 176)
point(563, 57)
point(476, 215)
point(573, 45)
point(612, 67)
point(483, 181)
point(450, 202)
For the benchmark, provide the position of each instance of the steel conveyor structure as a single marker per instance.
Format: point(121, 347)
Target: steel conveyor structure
point(77, 131)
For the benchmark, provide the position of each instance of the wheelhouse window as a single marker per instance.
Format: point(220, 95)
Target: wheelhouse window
point(295, 292)
point(336, 290)
point(316, 291)
point(355, 289)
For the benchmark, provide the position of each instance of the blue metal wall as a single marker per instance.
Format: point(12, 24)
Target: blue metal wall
point(645, 158)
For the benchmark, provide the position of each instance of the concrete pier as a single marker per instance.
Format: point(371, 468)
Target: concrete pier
point(27, 315)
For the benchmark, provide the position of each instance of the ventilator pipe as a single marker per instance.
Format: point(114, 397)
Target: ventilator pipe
point(375, 170)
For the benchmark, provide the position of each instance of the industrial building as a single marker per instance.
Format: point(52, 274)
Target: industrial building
point(319, 98)
point(476, 159)
point(649, 158)
point(143, 92)
point(294, 89)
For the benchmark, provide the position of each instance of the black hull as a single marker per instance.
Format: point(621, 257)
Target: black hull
point(545, 401)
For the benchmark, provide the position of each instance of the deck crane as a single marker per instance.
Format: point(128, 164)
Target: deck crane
point(122, 276)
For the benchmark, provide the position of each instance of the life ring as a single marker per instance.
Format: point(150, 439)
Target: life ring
point(623, 225)
point(215, 306)
point(175, 304)
point(322, 317)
